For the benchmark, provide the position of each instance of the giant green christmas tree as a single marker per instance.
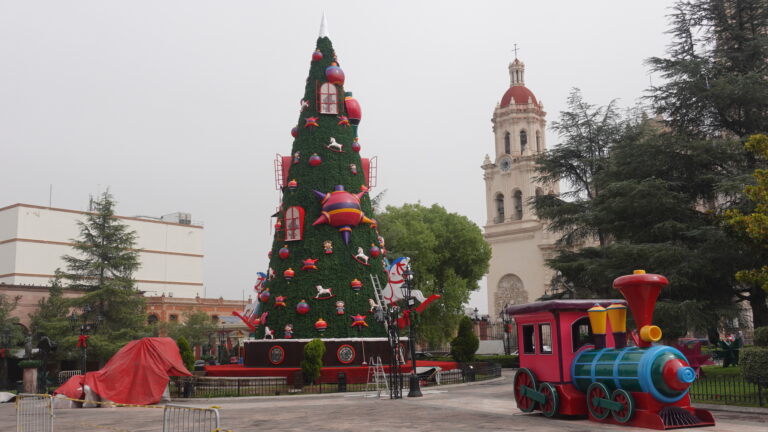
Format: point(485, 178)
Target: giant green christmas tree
point(325, 238)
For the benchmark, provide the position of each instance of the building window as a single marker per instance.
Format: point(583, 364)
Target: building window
point(545, 338)
point(329, 99)
point(214, 319)
point(523, 141)
point(507, 144)
point(538, 141)
point(517, 200)
point(581, 333)
point(152, 319)
point(529, 344)
point(174, 318)
point(499, 208)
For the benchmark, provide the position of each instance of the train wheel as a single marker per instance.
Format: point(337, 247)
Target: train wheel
point(627, 405)
point(595, 392)
point(524, 380)
point(551, 403)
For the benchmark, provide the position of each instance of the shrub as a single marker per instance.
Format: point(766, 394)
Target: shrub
point(754, 365)
point(464, 346)
point(761, 336)
point(24, 364)
point(186, 353)
point(313, 360)
point(505, 361)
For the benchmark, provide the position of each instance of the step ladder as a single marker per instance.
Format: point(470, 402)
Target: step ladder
point(377, 379)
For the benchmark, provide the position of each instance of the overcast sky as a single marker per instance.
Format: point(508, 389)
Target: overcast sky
point(182, 105)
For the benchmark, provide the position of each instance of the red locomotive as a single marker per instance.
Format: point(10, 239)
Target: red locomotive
point(571, 365)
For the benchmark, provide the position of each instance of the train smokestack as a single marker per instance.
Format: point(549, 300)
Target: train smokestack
point(641, 291)
point(617, 315)
point(597, 321)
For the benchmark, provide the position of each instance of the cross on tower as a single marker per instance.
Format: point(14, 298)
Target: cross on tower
point(515, 49)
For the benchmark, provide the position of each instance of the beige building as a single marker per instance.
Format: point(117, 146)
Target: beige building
point(519, 241)
point(34, 238)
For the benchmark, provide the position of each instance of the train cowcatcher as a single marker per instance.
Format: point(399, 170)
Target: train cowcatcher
point(572, 365)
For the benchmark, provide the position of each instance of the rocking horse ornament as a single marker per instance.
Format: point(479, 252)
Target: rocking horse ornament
point(361, 257)
point(323, 293)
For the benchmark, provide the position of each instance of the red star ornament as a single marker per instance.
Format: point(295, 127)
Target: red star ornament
point(311, 122)
point(309, 264)
point(359, 321)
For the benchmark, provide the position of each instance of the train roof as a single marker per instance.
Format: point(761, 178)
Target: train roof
point(552, 305)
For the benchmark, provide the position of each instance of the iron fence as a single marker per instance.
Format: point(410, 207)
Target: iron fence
point(728, 390)
point(180, 418)
point(208, 387)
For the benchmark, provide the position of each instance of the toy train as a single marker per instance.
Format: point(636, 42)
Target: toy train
point(570, 365)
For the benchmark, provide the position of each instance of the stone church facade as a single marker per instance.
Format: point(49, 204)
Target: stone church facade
point(518, 239)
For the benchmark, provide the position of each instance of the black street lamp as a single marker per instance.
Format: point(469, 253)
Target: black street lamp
point(413, 383)
point(5, 345)
point(84, 324)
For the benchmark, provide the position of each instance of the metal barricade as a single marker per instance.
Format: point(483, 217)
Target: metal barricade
point(34, 413)
point(180, 418)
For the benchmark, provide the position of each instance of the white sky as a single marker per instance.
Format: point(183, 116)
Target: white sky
point(182, 105)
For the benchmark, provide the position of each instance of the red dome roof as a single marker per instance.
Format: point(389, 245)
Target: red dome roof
point(520, 94)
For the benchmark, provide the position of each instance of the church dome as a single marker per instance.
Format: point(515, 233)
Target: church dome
point(518, 95)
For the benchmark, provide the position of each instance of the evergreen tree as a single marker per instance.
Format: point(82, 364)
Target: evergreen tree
point(49, 319)
point(466, 343)
point(103, 269)
point(715, 74)
point(324, 219)
point(186, 353)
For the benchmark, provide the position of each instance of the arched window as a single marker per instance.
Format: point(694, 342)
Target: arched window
point(329, 99)
point(499, 209)
point(523, 141)
point(517, 200)
point(507, 144)
point(538, 141)
point(151, 319)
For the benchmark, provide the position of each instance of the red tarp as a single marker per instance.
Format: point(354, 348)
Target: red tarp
point(137, 374)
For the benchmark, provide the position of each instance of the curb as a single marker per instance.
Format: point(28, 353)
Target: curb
point(732, 408)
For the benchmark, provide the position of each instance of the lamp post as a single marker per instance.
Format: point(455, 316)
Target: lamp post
point(5, 345)
point(413, 383)
point(84, 324)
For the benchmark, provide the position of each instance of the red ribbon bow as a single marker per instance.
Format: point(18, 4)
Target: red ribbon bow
point(82, 341)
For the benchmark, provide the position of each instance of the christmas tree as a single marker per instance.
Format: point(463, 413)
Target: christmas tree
point(326, 246)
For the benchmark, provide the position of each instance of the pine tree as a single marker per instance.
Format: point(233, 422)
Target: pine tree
point(103, 268)
point(321, 224)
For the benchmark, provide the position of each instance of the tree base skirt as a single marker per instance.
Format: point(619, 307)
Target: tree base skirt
point(339, 352)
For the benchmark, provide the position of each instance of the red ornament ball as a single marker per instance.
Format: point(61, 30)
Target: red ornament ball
point(278, 225)
point(295, 132)
point(315, 160)
point(292, 185)
point(269, 254)
point(317, 56)
point(264, 296)
point(302, 307)
point(374, 251)
point(356, 146)
point(288, 274)
point(334, 75)
point(321, 325)
point(355, 285)
point(284, 252)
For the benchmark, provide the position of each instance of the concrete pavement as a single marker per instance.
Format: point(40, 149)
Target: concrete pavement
point(484, 406)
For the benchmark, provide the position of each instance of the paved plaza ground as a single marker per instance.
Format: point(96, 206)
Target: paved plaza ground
point(483, 406)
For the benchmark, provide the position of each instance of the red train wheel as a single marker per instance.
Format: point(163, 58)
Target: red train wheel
point(595, 392)
point(524, 381)
point(627, 405)
point(551, 402)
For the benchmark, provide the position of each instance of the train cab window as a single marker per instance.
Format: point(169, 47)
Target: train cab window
point(581, 333)
point(545, 338)
point(529, 344)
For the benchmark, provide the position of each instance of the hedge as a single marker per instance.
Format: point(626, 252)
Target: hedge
point(754, 365)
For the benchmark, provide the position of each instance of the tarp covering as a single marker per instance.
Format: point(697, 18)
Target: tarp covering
point(137, 374)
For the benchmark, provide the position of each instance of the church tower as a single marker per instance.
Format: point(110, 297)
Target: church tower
point(519, 240)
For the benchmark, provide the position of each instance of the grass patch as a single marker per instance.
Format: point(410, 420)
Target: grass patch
point(715, 371)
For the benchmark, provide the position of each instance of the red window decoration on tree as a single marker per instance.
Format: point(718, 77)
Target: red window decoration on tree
point(294, 223)
point(328, 99)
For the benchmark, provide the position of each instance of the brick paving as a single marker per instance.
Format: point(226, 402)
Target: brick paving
point(485, 406)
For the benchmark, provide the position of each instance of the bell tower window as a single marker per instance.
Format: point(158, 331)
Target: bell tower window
point(499, 209)
point(329, 99)
point(517, 200)
point(523, 141)
point(507, 144)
